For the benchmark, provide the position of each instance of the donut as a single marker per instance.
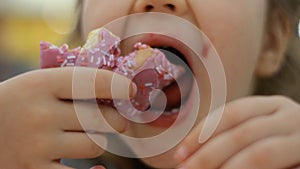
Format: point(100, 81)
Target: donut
point(148, 68)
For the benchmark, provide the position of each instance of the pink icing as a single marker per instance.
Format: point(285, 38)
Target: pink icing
point(52, 56)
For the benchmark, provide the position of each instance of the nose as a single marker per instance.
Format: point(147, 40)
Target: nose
point(175, 7)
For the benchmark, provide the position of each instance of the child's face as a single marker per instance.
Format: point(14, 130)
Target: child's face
point(236, 28)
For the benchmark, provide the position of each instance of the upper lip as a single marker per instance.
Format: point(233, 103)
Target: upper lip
point(158, 40)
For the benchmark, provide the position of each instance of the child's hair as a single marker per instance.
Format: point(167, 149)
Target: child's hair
point(287, 80)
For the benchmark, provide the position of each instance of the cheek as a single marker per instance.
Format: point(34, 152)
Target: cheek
point(236, 30)
point(97, 13)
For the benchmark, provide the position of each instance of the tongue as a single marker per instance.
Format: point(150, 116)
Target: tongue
point(149, 78)
point(174, 94)
point(146, 81)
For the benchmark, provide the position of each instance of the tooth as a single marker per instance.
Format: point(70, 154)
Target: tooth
point(157, 112)
point(175, 110)
point(119, 103)
point(168, 113)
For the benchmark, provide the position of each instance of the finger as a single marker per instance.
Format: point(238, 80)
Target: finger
point(236, 139)
point(76, 145)
point(234, 114)
point(271, 153)
point(83, 116)
point(86, 83)
point(101, 118)
point(66, 115)
point(114, 119)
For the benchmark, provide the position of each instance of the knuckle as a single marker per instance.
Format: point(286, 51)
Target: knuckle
point(294, 113)
point(94, 150)
point(37, 146)
point(39, 143)
point(241, 136)
point(38, 117)
point(232, 114)
point(35, 80)
point(282, 99)
point(261, 157)
point(204, 162)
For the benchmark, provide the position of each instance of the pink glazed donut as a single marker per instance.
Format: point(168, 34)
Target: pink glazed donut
point(148, 68)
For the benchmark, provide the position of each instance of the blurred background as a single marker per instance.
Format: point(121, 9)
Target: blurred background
point(24, 23)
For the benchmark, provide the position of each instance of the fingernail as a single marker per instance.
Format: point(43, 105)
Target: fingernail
point(98, 167)
point(181, 154)
point(133, 89)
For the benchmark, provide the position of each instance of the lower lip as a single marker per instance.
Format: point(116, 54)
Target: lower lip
point(164, 121)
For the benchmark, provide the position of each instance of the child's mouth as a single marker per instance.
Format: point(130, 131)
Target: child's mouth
point(166, 105)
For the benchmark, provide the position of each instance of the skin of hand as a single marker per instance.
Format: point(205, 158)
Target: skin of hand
point(255, 132)
point(39, 125)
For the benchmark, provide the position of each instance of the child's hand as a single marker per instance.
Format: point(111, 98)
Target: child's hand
point(256, 132)
point(38, 126)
